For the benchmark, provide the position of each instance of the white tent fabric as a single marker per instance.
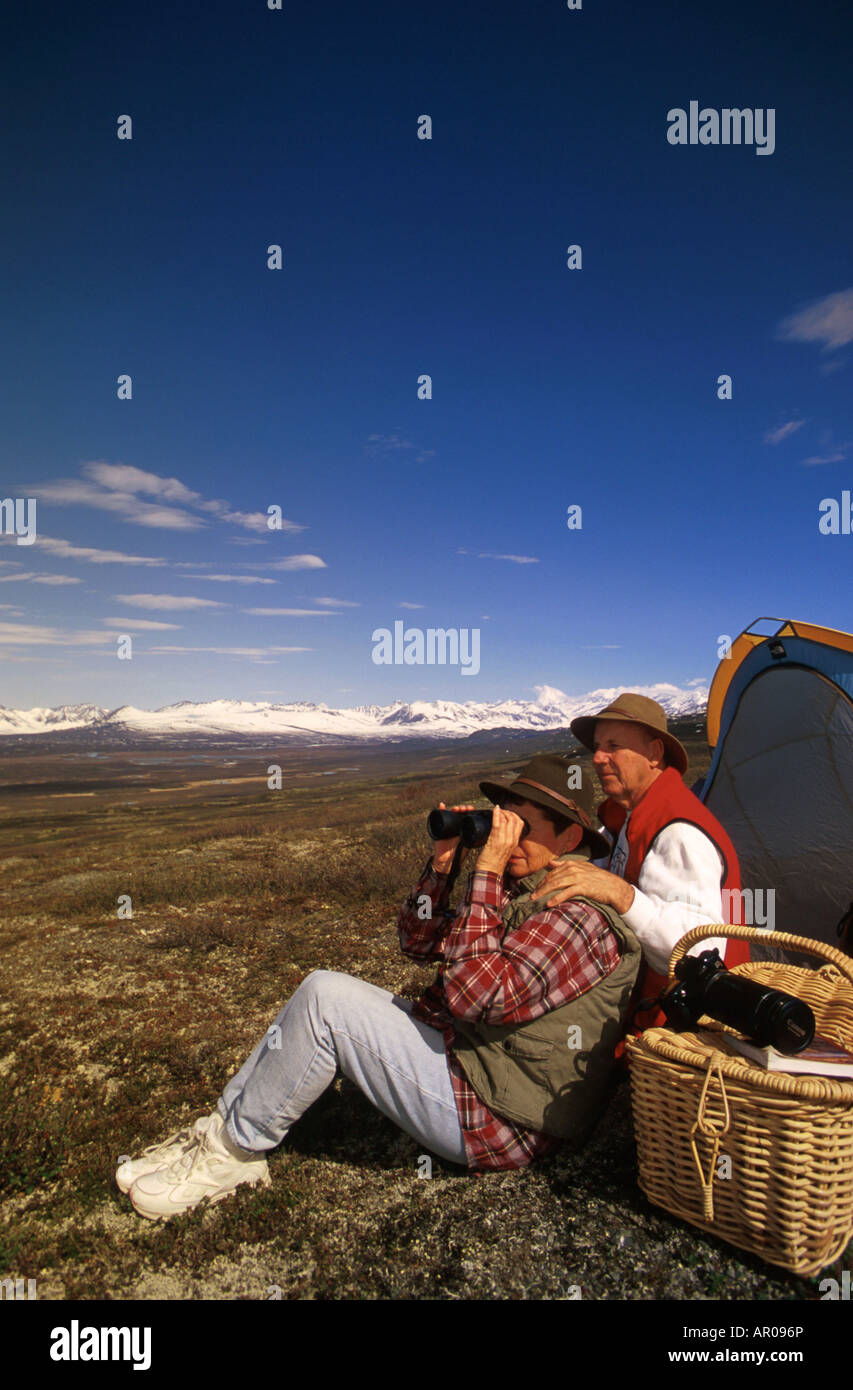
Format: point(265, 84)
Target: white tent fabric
point(784, 791)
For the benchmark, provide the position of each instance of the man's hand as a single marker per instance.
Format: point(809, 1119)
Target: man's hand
point(444, 850)
point(507, 829)
point(575, 878)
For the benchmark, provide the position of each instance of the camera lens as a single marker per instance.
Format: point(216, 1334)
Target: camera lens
point(768, 1016)
point(786, 1023)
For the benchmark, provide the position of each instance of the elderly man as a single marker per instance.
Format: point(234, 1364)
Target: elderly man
point(507, 1052)
point(671, 858)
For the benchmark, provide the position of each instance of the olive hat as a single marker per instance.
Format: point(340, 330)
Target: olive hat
point(546, 781)
point(634, 709)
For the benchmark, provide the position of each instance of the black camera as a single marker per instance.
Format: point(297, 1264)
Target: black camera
point(704, 985)
point(472, 827)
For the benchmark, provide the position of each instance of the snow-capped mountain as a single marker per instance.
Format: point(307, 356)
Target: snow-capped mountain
point(39, 721)
point(552, 709)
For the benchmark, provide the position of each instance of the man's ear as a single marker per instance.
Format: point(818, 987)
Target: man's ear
point(657, 751)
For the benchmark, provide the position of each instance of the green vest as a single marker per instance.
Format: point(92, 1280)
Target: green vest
point(551, 1074)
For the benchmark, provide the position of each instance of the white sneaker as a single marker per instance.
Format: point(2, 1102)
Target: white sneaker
point(160, 1155)
point(210, 1168)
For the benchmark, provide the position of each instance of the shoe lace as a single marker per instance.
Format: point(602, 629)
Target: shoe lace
point(183, 1167)
point(184, 1137)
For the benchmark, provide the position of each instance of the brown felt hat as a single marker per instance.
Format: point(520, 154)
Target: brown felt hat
point(634, 709)
point(546, 782)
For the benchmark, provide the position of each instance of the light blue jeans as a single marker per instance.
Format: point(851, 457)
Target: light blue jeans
point(335, 1021)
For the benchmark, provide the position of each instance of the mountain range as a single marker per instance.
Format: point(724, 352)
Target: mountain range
point(312, 723)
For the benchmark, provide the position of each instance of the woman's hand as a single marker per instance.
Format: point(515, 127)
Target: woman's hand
point(444, 850)
point(507, 830)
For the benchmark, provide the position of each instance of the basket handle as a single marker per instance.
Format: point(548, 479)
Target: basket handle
point(767, 938)
point(703, 1124)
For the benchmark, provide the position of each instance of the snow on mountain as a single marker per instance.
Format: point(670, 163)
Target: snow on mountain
point(552, 709)
point(39, 721)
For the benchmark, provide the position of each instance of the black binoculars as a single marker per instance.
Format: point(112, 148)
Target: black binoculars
point(471, 827)
point(706, 986)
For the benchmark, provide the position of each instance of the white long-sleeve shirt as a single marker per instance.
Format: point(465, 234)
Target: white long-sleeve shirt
point(679, 888)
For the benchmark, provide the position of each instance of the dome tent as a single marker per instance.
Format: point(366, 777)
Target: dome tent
point(780, 727)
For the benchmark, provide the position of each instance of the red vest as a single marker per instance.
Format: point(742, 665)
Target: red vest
point(667, 802)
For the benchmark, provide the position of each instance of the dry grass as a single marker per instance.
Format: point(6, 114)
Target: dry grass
point(115, 1032)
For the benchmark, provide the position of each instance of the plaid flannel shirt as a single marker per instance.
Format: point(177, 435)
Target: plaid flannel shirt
point(556, 955)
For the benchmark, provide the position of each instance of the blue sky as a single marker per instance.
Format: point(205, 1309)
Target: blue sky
point(298, 387)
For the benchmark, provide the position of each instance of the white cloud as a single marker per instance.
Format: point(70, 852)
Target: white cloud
point(140, 624)
point(168, 601)
point(55, 546)
point(39, 577)
point(775, 436)
point(828, 321)
point(257, 521)
point(489, 555)
point(21, 634)
point(229, 651)
point(293, 562)
point(380, 444)
point(54, 661)
point(387, 443)
point(338, 602)
point(123, 477)
point(515, 559)
point(76, 492)
point(115, 487)
point(231, 578)
point(837, 457)
point(411, 605)
point(292, 612)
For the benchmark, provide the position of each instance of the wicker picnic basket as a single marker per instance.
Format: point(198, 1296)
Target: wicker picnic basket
point(786, 1193)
